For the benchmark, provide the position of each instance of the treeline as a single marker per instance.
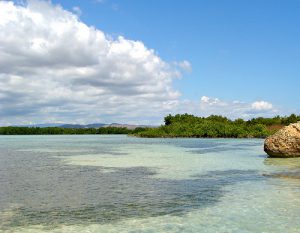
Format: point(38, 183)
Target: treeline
point(185, 125)
point(13, 130)
point(180, 125)
point(278, 120)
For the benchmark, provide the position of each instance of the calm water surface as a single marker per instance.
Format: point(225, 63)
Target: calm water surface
point(93, 183)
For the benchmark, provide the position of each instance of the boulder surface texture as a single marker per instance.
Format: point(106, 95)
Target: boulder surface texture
point(285, 143)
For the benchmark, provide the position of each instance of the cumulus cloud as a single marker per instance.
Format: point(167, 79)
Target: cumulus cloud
point(53, 67)
point(185, 65)
point(261, 105)
point(235, 109)
point(205, 100)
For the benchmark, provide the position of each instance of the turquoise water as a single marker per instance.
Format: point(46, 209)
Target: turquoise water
point(93, 183)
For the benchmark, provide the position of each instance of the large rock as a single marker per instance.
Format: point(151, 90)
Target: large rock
point(285, 143)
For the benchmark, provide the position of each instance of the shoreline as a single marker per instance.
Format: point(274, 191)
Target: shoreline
point(133, 136)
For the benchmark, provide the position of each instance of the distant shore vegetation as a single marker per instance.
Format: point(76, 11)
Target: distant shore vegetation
point(180, 125)
point(185, 125)
point(15, 130)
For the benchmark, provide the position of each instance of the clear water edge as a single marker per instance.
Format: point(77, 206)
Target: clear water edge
point(123, 184)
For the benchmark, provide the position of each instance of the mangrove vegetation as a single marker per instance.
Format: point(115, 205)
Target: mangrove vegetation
point(14, 130)
point(185, 125)
point(180, 125)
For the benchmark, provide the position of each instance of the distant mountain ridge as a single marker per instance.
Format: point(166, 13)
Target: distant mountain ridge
point(79, 126)
point(82, 126)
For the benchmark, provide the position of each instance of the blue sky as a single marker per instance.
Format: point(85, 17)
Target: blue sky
point(244, 50)
point(243, 59)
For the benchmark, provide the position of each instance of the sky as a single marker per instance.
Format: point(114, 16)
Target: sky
point(131, 61)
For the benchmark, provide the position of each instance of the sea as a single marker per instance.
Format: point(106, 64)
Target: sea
point(117, 183)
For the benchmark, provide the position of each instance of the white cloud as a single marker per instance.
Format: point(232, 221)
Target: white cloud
point(261, 105)
point(235, 109)
point(209, 101)
point(205, 99)
point(185, 65)
point(53, 67)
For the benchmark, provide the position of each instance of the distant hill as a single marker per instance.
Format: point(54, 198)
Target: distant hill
point(95, 125)
point(99, 125)
point(82, 126)
point(78, 126)
point(41, 125)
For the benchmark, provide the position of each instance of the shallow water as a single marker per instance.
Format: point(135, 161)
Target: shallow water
point(93, 183)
